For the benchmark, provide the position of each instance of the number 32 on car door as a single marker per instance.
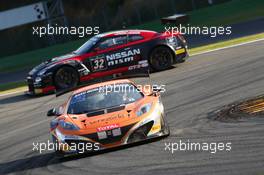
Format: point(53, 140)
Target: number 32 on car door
point(98, 63)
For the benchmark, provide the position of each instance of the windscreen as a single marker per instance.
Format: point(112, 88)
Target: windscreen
point(104, 97)
point(87, 45)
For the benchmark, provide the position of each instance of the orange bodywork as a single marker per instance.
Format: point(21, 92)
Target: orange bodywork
point(126, 119)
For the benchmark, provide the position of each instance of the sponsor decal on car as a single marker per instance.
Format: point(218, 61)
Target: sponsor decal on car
point(141, 64)
point(108, 127)
point(115, 117)
point(109, 130)
point(180, 51)
point(98, 63)
point(122, 57)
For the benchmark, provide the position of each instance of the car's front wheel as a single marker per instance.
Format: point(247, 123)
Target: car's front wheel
point(161, 58)
point(66, 77)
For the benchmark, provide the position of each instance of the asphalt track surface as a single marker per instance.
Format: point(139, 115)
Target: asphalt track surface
point(201, 85)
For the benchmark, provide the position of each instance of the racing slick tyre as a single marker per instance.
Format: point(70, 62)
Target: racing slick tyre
point(161, 58)
point(165, 126)
point(182, 58)
point(66, 77)
point(57, 153)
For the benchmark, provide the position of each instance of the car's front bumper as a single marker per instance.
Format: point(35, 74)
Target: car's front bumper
point(159, 128)
point(181, 54)
point(65, 148)
point(39, 88)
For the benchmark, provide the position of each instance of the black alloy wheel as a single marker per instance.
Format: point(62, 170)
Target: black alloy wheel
point(161, 58)
point(66, 77)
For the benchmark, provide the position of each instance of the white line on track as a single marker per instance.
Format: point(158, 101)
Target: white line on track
point(11, 93)
point(231, 46)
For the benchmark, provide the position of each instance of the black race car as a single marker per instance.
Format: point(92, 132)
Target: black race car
point(108, 54)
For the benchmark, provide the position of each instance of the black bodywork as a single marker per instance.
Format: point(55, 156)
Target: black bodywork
point(115, 60)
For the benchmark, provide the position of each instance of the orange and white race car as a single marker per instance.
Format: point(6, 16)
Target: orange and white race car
point(107, 115)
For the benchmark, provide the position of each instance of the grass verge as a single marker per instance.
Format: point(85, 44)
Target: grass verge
point(228, 13)
point(12, 87)
point(21, 86)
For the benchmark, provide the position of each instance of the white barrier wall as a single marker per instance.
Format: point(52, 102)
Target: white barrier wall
point(22, 15)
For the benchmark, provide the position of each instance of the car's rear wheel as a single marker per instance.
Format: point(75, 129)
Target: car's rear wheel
point(161, 58)
point(66, 77)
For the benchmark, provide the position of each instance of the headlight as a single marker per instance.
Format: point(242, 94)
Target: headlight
point(144, 109)
point(172, 40)
point(68, 126)
point(38, 79)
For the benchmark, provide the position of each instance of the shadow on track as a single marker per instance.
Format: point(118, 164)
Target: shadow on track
point(43, 160)
point(23, 97)
point(15, 99)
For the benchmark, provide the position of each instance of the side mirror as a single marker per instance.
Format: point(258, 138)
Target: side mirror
point(53, 112)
